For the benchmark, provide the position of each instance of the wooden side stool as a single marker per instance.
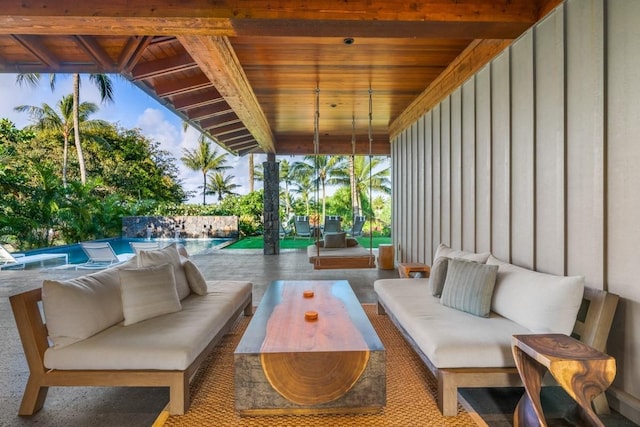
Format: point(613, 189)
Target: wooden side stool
point(406, 268)
point(582, 371)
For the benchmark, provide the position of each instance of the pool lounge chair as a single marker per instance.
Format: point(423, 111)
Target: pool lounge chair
point(303, 229)
point(358, 223)
point(8, 260)
point(144, 246)
point(101, 255)
point(332, 224)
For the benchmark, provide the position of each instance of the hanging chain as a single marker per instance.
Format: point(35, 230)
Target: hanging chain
point(316, 122)
point(370, 168)
point(353, 135)
point(370, 120)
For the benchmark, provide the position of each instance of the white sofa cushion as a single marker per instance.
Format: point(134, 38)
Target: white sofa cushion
point(196, 279)
point(541, 302)
point(168, 342)
point(78, 308)
point(449, 338)
point(148, 292)
point(167, 255)
point(438, 275)
point(469, 286)
point(446, 251)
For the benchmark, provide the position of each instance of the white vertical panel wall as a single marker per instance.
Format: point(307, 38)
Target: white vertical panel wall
point(536, 158)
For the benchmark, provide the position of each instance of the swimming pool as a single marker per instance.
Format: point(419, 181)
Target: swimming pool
point(121, 246)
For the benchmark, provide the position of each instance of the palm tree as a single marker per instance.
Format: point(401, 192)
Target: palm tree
point(46, 118)
point(323, 168)
point(251, 175)
point(367, 173)
point(286, 177)
point(105, 86)
point(221, 185)
point(203, 159)
point(304, 187)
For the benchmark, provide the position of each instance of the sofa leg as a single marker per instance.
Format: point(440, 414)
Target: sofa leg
point(33, 398)
point(447, 395)
point(381, 309)
point(179, 394)
point(248, 309)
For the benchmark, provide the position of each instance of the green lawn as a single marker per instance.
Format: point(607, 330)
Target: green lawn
point(257, 242)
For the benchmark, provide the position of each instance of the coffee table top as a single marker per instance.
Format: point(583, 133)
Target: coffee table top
point(279, 324)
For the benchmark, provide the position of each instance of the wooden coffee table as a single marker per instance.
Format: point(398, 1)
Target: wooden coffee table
point(290, 362)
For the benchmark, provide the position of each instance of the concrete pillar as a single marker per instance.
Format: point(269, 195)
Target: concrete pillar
point(271, 213)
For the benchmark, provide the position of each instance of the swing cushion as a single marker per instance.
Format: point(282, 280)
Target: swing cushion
point(335, 240)
point(350, 243)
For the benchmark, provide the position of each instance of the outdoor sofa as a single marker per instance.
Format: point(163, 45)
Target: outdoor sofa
point(150, 322)
point(462, 349)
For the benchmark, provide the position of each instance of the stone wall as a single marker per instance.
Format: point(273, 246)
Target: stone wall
point(171, 227)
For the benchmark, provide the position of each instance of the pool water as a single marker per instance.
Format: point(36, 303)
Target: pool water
point(121, 246)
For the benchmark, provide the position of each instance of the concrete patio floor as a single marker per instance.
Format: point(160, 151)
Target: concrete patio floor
point(119, 406)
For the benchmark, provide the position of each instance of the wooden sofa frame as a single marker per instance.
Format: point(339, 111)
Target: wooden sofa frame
point(592, 327)
point(33, 334)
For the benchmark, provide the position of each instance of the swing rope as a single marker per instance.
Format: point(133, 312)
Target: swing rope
point(370, 167)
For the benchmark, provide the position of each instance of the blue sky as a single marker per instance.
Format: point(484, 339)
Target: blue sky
point(132, 109)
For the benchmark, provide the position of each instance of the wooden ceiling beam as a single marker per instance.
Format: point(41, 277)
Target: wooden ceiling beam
point(202, 17)
point(219, 62)
point(96, 52)
point(479, 53)
point(335, 145)
point(226, 129)
point(132, 52)
point(220, 120)
point(163, 67)
point(33, 45)
point(209, 110)
point(174, 87)
point(189, 101)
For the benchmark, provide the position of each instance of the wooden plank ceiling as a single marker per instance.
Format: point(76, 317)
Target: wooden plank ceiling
point(246, 72)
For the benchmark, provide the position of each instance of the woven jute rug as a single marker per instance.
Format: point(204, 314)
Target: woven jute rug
point(411, 390)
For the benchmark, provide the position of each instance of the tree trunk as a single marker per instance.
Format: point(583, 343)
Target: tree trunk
point(65, 157)
point(251, 177)
point(355, 200)
point(76, 127)
point(204, 188)
point(324, 203)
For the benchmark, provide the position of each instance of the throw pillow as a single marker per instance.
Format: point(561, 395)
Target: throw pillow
point(351, 242)
point(469, 286)
point(438, 275)
point(148, 292)
point(79, 308)
point(335, 240)
point(167, 255)
point(444, 250)
point(197, 282)
point(540, 302)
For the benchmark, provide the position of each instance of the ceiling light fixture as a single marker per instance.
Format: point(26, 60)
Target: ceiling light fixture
point(348, 41)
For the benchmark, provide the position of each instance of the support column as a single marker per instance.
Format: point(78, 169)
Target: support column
point(271, 212)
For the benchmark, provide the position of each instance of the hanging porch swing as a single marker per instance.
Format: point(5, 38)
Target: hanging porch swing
point(336, 250)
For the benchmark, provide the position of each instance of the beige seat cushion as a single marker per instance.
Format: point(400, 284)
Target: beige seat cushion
point(197, 282)
point(168, 342)
point(148, 292)
point(167, 255)
point(542, 302)
point(449, 338)
point(446, 251)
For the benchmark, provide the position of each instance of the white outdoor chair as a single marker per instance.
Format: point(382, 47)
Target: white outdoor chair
point(101, 255)
point(8, 260)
